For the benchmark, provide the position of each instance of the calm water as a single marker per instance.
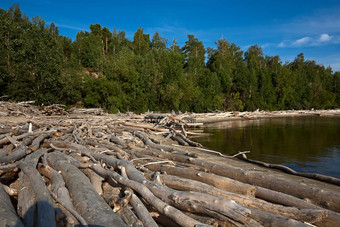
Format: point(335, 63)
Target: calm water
point(305, 144)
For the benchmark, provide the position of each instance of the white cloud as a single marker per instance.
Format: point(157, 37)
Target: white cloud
point(302, 41)
point(322, 39)
point(325, 38)
point(282, 44)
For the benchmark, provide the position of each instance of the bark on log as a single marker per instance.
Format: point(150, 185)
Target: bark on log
point(8, 215)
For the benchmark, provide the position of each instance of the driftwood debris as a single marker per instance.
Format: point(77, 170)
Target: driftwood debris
point(93, 169)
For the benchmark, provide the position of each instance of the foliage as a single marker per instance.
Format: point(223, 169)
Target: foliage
point(104, 69)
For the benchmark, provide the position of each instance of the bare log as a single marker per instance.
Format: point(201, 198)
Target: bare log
point(17, 153)
point(85, 199)
point(44, 202)
point(8, 216)
point(149, 143)
point(320, 197)
point(223, 183)
point(129, 217)
point(26, 201)
point(37, 141)
point(116, 140)
point(141, 211)
point(95, 180)
point(203, 203)
point(303, 215)
point(316, 176)
point(161, 207)
point(59, 191)
point(192, 201)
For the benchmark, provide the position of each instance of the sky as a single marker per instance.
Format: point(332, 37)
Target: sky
point(285, 28)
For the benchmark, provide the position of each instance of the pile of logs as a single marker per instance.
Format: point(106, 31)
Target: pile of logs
point(27, 110)
point(53, 110)
point(103, 171)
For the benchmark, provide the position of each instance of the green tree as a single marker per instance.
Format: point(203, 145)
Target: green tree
point(194, 55)
point(33, 57)
point(141, 42)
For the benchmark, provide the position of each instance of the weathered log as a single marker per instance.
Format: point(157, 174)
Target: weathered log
point(190, 142)
point(304, 215)
point(141, 211)
point(316, 176)
point(107, 145)
point(12, 140)
point(269, 219)
point(161, 207)
point(26, 201)
point(210, 221)
point(17, 153)
point(223, 183)
point(85, 199)
point(203, 203)
point(320, 197)
point(6, 150)
point(327, 199)
point(129, 217)
point(116, 140)
point(179, 140)
point(8, 216)
point(59, 191)
point(138, 206)
point(95, 180)
point(149, 143)
point(44, 202)
point(111, 194)
point(192, 201)
point(63, 216)
point(263, 193)
point(37, 141)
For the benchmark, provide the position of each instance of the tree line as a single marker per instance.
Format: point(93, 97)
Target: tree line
point(103, 68)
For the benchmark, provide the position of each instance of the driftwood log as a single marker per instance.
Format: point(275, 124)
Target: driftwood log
point(93, 169)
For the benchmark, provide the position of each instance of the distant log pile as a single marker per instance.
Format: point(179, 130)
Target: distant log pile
point(26, 109)
point(117, 170)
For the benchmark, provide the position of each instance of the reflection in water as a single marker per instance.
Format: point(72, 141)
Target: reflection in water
point(306, 144)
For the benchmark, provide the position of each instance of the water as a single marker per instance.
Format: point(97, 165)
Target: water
point(305, 144)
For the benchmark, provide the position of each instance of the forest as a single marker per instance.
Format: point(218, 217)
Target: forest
point(103, 68)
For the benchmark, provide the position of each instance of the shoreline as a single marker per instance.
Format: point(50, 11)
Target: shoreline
point(207, 118)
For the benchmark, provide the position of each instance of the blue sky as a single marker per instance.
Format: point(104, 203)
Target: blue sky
point(284, 28)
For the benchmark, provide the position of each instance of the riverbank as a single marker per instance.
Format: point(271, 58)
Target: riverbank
point(149, 173)
point(230, 116)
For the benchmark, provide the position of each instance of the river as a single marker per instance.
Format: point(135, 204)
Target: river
point(305, 144)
